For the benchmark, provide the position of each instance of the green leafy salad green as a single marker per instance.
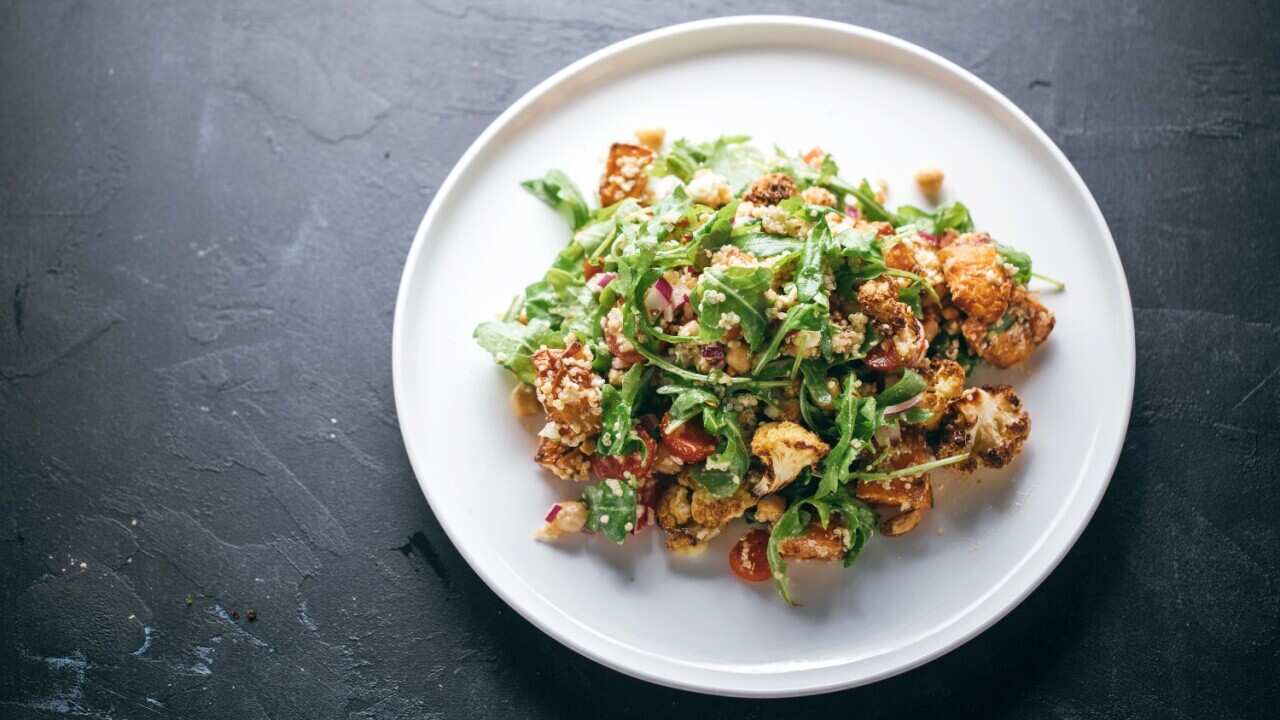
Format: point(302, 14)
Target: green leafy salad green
point(742, 336)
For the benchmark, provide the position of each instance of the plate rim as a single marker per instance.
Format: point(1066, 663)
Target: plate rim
point(794, 684)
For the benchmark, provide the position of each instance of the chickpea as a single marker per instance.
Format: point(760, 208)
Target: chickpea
point(523, 401)
point(738, 358)
point(651, 138)
point(930, 182)
point(571, 518)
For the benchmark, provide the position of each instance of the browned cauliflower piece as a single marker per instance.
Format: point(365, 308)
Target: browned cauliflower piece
point(710, 511)
point(816, 543)
point(624, 174)
point(946, 382)
point(564, 461)
point(691, 516)
point(786, 448)
point(770, 189)
point(904, 343)
point(674, 508)
point(1013, 336)
point(988, 422)
point(915, 253)
point(975, 276)
point(569, 392)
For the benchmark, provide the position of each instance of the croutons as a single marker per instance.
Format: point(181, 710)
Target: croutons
point(946, 382)
point(564, 461)
point(976, 277)
point(816, 543)
point(786, 448)
point(988, 422)
point(569, 392)
point(1014, 335)
point(624, 174)
point(770, 189)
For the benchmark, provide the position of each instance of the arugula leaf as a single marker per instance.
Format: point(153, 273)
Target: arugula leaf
point(617, 433)
point(908, 387)
point(512, 344)
point(856, 419)
point(1018, 259)
point(611, 508)
point(871, 208)
point(688, 403)
point(729, 156)
point(809, 275)
point(801, 316)
point(859, 520)
point(723, 471)
point(558, 191)
point(948, 217)
point(762, 244)
point(709, 236)
point(737, 290)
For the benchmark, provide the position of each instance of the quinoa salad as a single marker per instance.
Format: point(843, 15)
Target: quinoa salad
point(742, 341)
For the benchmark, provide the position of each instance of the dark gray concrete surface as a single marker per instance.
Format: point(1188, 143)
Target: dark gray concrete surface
point(204, 210)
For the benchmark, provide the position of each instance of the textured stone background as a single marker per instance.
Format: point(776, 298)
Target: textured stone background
point(204, 209)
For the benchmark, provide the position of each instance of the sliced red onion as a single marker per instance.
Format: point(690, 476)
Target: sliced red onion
point(851, 211)
point(600, 280)
point(904, 405)
point(930, 237)
point(654, 301)
point(552, 513)
point(713, 352)
point(663, 287)
point(679, 296)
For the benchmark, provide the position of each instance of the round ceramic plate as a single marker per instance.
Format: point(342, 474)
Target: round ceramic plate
point(884, 108)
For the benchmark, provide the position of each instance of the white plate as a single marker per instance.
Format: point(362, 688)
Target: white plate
point(884, 108)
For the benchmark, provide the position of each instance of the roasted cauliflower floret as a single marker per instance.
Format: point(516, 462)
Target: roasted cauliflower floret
point(946, 382)
point(786, 448)
point(713, 512)
point(770, 189)
point(816, 543)
point(988, 422)
point(915, 253)
point(569, 392)
point(624, 174)
point(691, 516)
point(1013, 336)
point(904, 343)
point(564, 461)
point(975, 276)
point(674, 508)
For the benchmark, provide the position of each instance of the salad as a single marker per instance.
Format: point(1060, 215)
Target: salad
point(736, 335)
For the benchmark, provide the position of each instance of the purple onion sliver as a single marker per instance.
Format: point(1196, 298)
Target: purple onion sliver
point(713, 352)
point(664, 287)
